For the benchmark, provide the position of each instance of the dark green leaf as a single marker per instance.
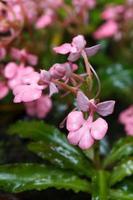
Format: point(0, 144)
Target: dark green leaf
point(126, 184)
point(121, 171)
point(54, 143)
point(120, 195)
point(119, 80)
point(22, 177)
point(122, 149)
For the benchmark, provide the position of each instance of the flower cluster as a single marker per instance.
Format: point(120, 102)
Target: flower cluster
point(15, 15)
point(31, 87)
point(115, 17)
point(126, 118)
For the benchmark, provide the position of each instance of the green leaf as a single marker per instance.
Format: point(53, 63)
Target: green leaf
point(123, 148)
point(100, 185)
point(121, 171)
point(126, 184)
point(52, 145)
point(119, 80)
point(120, 195)
point(22, 177)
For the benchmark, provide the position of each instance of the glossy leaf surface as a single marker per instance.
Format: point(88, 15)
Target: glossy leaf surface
point(22, 177)
point(120, 150)
point(52, 145)
point(121, 171)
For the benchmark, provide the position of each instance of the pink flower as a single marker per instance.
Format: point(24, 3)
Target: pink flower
point(14, 73)
point(3, 90)
point(84, 4)
point(46, 80)
point(65, 70)
point(24, 56)
point(45, 20)
point(40, 107)
point(52, 4)
point(22, 10)
point(24, 82)
point(126, 118)
point(108, 29)
point(84, 132)
point(28, 90)
point(112, 12)
point(75, 48)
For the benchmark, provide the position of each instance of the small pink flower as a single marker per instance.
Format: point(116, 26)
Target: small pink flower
point(126, 115)
point(126, 118)
point(84, 132)
point(112, 12)
point(24, 56)
point(3, 90)
point(108, 29)
point(46, 79)
point(75, 48)
point(84, 4)
point(65, 70)
point(45, 20)
point(28, 89)
point(40, 107)
point(14, 73)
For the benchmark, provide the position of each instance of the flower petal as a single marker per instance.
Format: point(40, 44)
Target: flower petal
point(63, 49)
point(82, 102)
point(105, 108)
point(75, 120)
point(99, 129)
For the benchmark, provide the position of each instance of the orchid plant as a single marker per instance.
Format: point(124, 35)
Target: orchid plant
point(73, 148)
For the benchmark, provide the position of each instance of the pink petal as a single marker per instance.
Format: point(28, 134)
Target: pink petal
point(73, 57)
point(86, 141)
point(129, 129)
point(82, 102)
point(99, 129)
point(10, 70)
point(79, 42)
point(108, 29)
point(90, 51)
point(74, 137)
point(31, 78)
point(45, 76)
point(63, 49)
point(3, 90)
point(26, 93)
point(44, 21)
point(52, 89)
point(75, 120)
point(32, 59)
point(105, 108)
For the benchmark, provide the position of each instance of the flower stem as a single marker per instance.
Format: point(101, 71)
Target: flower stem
point(66, 87)
point(89, 70)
